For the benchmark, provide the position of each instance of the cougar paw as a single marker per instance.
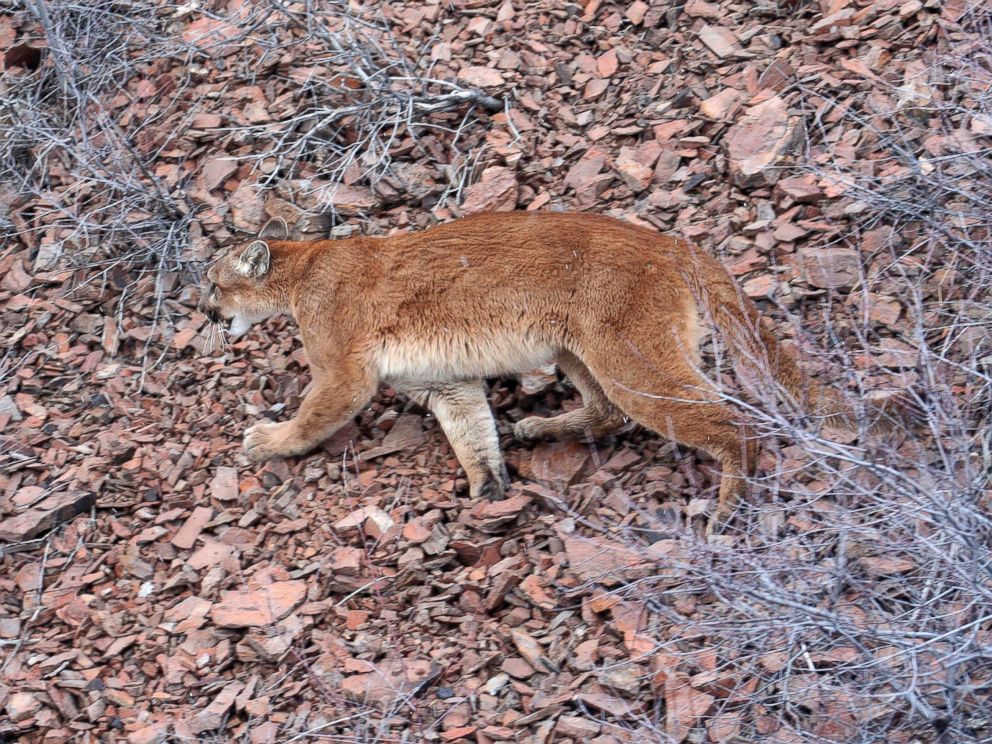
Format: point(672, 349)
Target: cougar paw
point(529, 429)
point(718, 522)
point(266, 440)
point(492, 489)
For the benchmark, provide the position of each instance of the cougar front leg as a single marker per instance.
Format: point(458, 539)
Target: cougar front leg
point(337, 395)
point(467, 421)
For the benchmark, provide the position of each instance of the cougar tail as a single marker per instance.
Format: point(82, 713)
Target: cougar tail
point(764, 363)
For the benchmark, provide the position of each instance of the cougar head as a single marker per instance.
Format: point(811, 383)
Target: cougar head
point(238, 292)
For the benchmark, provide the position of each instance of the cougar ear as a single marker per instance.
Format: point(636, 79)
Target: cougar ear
point(275, 229)
point(254, 261)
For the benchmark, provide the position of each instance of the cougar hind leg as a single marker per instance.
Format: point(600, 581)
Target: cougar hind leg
point(597, 416)
point(654, 379)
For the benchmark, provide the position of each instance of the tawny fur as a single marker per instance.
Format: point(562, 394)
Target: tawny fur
point(432, 313)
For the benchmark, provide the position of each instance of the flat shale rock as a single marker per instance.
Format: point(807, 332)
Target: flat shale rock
point(22, 705)
point(831, 268)
point(317, 197)
point(371, 520)
point(247, 207)
point(154, 733)
point(684, 706)
point(186, 536)
point(407, 433)
point(44, 515)
point(702, 9)
point(633, 170)
point(213, 716)
point(482, 77)
point(302, 224)
point(801, 189)
point(606, 561)
point(558, 463)
point(720, 105)
point(389, 680)
point(224, 485)
point(896, 354)
point(757, 145)
point(493, 516)
point(720, 40)
point(580, 729)
point(263, 606)
point(497, 191)
point(348, 199)
point(215, 172)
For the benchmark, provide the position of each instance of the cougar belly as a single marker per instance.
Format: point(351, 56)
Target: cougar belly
point(446, 357)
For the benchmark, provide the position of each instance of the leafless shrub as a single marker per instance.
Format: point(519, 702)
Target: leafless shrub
point(96, 139)
point(88, 180)
point(354, 118)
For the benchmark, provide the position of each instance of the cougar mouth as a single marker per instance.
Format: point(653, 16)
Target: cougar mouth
point(239, 325)
point(235, 326)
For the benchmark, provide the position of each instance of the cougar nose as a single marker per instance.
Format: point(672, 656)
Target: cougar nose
point(213, 315)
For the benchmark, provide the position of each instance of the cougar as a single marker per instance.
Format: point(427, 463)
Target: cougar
point(618, 307)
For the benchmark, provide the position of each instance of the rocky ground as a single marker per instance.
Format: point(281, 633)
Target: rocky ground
point(156, 586)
